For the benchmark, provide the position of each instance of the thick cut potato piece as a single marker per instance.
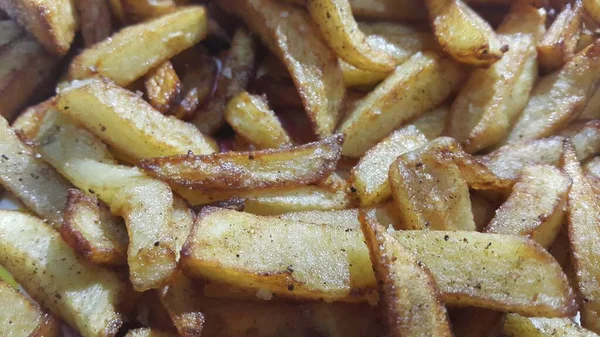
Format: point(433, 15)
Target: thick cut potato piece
point(142, 10)
point(250, 117)
point(335, 21)
point(583, 214)
point(560, 42)
point(52, 22)
point(295, 166)
point(332, 262)
point(238, 69)
point(182, 299)
point(419, 84)
point(92, 231)
point(536, 206)
point(127, 122)
point(560, 97)
point(369, 178)
point(82, 295)
point(411, 302)
point(493, 97)
point(133, 51)
point(463, 34)
point(518, 326)
point(95, 20)
point(289, 33)
point(20, 317)
point(149, 332)
point(162, 86)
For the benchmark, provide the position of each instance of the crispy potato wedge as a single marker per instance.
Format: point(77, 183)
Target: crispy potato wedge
point(411, 302)
point(127, 122)
point(21, 317)
point(182, 299)
point(332, 263)
point(95, 20)
point(52, 22)
point(335, 21)
point(245, 171)
point(493, 97)
point(35, 183)
point(250, 116)
point(135, 50)
point(419, 84)
point(312, 65)
point(84, 296)
point(162, 86)
point(560, 97)
point(142, 10)
point(583, 214)
point(369, 178)
point(149, 332)
point(463, 34)
point(518, 326)
point(536, 206)
point(592, 7)
point(560, 41)
point(92, 231)
point(238, 69)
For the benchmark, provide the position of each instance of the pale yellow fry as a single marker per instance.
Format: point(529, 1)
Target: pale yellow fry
point(560, 42)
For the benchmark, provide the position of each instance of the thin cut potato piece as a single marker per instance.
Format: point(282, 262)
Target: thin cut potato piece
point(83, 295)
point(560, 42)
point(585, 136)
point(289, 33)
point(411, 302)
point(518, 326)
point(463, 34)
point(493, 97)
point(335, 21)
point(21, 317)
point(127, 122)
point(583, 214)
point(250, 117)
point(95, 20)
point(536, 206)
point(133, 51)
point(419, 84)
point(162, 86)
point(149, 332)
point(560, 97)
point(305, 260)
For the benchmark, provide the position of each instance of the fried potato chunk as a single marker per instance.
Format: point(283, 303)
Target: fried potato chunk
point(162, 86)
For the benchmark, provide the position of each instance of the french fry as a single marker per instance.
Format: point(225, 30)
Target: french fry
point(52, 22)
point(388, 9)
point(419, 84)
point(592, 173)
point(238, 69)
point(22, 317)
point(463, 34)
point(82, 295)
point(560, 41)
point(28, 123)
point(492, 98)
point(464, 273)
point(142, 10)
point(95, 20)
point(592, 108)
point(585, 136)
point(583, 214)
point(246, 171)
point(312, 65)
point(128, 123)
point(149, 332)
point(182, 221)
point(182, 300)
point(411, 302)
point(162, 87)
point(519, 326)
point(250, 116)
point(560, 97)
point(592, 7)
point(133, 51)
point(536, 206)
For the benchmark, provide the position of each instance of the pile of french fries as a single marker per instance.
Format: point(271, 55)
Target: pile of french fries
point(300, 168)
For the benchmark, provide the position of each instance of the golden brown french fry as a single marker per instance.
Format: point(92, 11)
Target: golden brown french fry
point(411, 302)
point(536, 206)
point(560, 97)
point(518, 326)
point(133, 51)
point(560, 41)
point(82, 295)
point(238, 69)
point(21, 317)
point(52, 22)
point(162, 86)
point(246, 171)
point(463, 33)
point(149, 332)
point(592, 173)
point(419, 84)
point(92, 231)
point(95, 20)
point(288, 32)
point(250, 117)
point(583, 214)
point(493, 97)
point(182, 300)
point(127, 122)
point(592, 7)
point(142, 10)
point(470, 268)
